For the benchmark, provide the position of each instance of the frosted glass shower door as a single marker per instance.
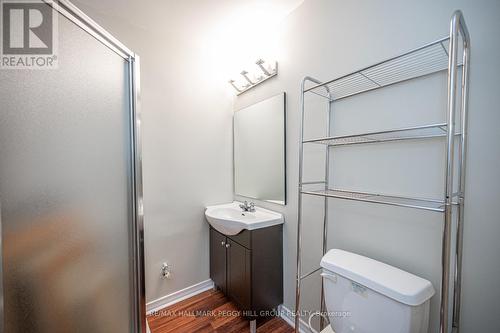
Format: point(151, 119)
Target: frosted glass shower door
point(67, 191)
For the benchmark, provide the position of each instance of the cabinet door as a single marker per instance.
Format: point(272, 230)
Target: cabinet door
point(218, 259)
point(239, 274)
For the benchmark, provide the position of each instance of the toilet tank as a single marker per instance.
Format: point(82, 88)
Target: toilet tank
point(367, 296)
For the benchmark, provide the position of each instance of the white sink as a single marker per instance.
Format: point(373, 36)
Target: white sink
point(230, 219)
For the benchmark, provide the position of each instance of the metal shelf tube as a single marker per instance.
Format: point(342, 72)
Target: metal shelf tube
point(462, 173)
point(325, 211)
point(457, 25)
point(299, 208)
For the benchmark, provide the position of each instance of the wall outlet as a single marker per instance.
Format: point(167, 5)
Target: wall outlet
point(166, 271)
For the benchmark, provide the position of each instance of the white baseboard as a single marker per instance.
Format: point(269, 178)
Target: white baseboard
point(178, 296)
point(288, 316)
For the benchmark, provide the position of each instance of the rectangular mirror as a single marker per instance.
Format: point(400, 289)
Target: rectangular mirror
point(259, 150)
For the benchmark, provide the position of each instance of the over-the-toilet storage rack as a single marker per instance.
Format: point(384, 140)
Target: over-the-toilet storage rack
point(440, 55)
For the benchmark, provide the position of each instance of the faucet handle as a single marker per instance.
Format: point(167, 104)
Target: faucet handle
point(248, 206)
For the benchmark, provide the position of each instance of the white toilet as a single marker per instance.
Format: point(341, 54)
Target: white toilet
point(367, 296)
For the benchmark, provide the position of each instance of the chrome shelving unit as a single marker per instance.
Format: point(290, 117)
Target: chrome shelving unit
point(438, 56)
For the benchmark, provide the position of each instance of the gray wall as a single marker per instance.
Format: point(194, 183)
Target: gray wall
point(187, 133)
point(326, 38)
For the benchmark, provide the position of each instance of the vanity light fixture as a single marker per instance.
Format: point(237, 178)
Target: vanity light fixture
point(231, 82)
point(260, 63)
point(245, 75)
point(263, 73)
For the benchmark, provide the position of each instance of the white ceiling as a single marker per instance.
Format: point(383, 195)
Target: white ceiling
point(147, 13)
point(231, 34)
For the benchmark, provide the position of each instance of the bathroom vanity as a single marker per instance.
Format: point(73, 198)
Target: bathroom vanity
point(246, 257)
point(248, 268)
point(246, 242)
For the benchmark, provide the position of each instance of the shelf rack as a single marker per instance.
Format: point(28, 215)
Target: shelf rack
point(438, 56)
point(418, 203)
point(408, 133)
point(425, 60)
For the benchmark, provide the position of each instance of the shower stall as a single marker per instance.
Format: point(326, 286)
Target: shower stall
point(72, 257)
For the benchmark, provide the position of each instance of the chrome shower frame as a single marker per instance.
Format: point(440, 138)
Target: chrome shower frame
point(137, 273)
point(420, 62)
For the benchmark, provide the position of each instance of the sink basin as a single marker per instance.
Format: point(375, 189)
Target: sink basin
point(229, 219)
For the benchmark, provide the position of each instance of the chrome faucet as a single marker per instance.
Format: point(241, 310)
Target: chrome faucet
point(248, 206)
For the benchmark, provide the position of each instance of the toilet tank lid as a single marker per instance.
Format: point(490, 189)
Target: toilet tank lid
point(387, 280)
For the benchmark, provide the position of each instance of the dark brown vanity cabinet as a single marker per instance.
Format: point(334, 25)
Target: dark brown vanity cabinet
point(248, 268)
point(218, 259)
